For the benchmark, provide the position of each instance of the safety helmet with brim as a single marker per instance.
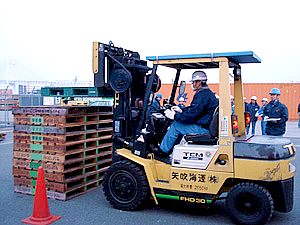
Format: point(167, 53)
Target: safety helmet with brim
point(275, 91)
point(199, 75)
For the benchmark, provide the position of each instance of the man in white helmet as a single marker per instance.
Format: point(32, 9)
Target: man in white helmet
point(260, 112)
point(181, 103)
point(194, 119)
point(253, 107)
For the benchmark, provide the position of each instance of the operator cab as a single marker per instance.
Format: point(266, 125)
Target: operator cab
point(232, 127)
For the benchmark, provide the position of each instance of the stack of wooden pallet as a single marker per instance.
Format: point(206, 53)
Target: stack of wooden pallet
point(72, 144)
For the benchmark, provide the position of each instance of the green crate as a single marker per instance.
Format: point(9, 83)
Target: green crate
point(76, 92)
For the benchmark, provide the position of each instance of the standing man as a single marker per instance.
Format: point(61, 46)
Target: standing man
point(154, 107)
point(245, 104)
point(260, 112)
point(156, 102)
point(253, 107)
point(181, 103)
point(246, 110)
point(299, 115)
point(194, 119)
point(276, 115)
point(232, 104)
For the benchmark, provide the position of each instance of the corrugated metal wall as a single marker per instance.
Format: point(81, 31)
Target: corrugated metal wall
point(290, 94)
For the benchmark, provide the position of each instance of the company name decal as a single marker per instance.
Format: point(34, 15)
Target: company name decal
point(193, 177)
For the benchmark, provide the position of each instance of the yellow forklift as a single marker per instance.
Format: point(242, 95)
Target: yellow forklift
point(254, 173)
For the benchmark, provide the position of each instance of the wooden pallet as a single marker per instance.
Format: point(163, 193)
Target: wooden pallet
point(64, 157)
point(52, 139)
point(72, 193)
point(75, 128)
point(67, 148)
point(60, 110)
point(66, 186)
point(72, 164)
point(62, 177)
point(61, 121)
point(72, 143)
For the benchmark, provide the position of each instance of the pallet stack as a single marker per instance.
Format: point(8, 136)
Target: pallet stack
point(72, 144)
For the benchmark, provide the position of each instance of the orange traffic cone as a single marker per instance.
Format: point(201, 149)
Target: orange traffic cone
point(41, 213)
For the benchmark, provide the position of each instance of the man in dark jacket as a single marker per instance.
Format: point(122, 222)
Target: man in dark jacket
point(253, 107)
point(276, 115)
point(195, 118)
point(155, 107)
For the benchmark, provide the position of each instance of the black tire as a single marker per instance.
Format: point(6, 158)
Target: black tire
point(125, 185)
point(249, 203)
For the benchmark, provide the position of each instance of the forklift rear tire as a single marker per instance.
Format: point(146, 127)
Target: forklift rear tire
point(125, 185)
point(249, 203)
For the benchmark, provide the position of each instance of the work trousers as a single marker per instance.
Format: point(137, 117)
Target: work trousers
point(263, 127)
point(177, 129)
point(252, 128)
point(253, 124)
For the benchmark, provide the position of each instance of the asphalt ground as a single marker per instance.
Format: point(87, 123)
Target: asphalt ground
point(92, 208)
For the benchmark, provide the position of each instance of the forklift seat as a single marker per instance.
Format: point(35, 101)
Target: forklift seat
point(207, 139)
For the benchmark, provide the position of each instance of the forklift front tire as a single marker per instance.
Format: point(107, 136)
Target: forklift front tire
point(249, 203)
point(125, 185)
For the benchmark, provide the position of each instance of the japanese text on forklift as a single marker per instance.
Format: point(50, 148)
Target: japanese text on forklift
point(255, 172)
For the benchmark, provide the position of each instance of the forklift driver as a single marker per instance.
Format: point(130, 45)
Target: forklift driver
point(194, 119)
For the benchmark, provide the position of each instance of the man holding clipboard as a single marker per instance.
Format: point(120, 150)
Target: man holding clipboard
point(276, 115)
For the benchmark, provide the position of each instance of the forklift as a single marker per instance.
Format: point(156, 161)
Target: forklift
point(254, 173)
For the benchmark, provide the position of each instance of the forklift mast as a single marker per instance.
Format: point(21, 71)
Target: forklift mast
point(123, 72)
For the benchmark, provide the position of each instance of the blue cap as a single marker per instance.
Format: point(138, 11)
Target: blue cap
point(159, 95)
point(275, 91)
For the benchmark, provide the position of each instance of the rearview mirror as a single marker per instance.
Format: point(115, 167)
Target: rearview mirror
point(151, 98)
point(182, 87)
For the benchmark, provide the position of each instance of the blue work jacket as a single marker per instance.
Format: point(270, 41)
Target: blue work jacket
point(201, 109)
point(276, 109)
point(252, 109)
point(261, 111)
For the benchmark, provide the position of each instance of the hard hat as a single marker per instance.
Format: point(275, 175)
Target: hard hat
point(254, 98)
point(217, 96)
point(265, 99)
point(244, 98)
point(159, 95)
point(275, 91)
point(199, 75)
point(181, 99)
point(231, 97)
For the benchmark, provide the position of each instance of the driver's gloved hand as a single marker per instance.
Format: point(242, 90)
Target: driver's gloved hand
point(176, 109)
point(170, 114)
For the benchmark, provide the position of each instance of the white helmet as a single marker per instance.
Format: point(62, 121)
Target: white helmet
point(265, 99)
point(217, 96)
point(244, 98)
point(254, 98)
point(199, 75)
point(231, 97)
point(181, 99)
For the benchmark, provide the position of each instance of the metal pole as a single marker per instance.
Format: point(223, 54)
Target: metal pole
point(5, 106)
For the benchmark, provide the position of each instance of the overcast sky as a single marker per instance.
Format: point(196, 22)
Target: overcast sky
point(54, 38)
